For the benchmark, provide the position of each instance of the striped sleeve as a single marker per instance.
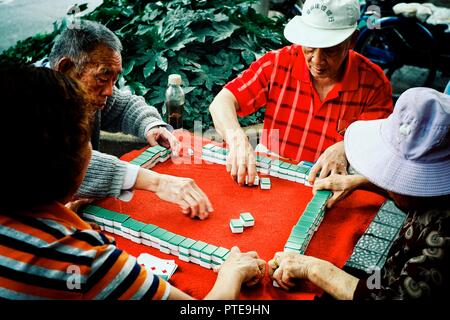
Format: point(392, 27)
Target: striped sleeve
point(115, 275)
point(46, 259)
point(251, 87)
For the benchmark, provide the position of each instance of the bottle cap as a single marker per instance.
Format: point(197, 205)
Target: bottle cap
point(175, 79)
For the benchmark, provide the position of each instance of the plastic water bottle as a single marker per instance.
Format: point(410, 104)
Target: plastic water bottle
point(175, 101)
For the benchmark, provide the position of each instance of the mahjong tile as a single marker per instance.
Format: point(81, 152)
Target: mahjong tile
point(382, 231)
point(389, 218)
point(373, 244)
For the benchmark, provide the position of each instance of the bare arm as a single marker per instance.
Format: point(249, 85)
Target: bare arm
point(333, 280)
point(223, 112)
point(178, 190)
point(287, 267)
point(241, 160)
point(239, 268)
point(344, 185)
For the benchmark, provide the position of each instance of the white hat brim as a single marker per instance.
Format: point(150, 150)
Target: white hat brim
point(298, 32)
point(371, 156)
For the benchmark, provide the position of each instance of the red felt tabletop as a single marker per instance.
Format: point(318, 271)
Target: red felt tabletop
point(275, 211)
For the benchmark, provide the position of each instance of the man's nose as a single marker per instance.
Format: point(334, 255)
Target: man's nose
point(108, 89)
point(318, 56)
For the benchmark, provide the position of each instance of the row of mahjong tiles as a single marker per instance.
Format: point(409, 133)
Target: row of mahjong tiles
point(309, 221)
point(276, 168)
point(186, 249)
point(372, 248)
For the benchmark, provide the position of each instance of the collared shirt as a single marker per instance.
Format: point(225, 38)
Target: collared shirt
point(297, 124)
point(50, 253)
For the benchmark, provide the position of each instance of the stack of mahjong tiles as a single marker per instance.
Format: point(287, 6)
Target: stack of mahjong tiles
point(292, 172)
point(188, 250)
point(372, 248)
point(276, 168)
point(308, 223)
point(214, 154)
point(151, 156)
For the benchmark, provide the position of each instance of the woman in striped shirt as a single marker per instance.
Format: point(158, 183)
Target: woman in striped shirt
point(46, 250)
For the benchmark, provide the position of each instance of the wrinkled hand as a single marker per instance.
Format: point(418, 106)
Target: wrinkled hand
point(241, 159)
point(332, 161)
point(249, 267)
point(162, 136)
point(341, 186)
point(185, 193)
point(286, 268)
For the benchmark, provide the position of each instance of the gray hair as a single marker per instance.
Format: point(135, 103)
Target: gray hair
point(76, 43)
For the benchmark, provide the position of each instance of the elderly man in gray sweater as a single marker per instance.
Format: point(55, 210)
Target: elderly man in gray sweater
point(91, 53)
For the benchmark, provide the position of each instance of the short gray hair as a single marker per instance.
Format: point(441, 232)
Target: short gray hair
point(76, 43)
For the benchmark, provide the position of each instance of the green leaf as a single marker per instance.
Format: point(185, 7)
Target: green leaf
point(223, 30)
point(248, 56)
point(162, 62)
point(128, 67)
point(150, 66)
point(138, 87)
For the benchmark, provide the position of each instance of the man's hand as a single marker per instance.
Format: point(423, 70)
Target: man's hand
point(76, 204)
point(241, 160)
point(286, 268)
point(332, 161)
point(246, 265)
point(165, 138)
point(185, 193)
point(341, 186)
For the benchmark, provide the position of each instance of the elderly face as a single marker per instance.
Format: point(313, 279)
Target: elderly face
point(326, 62)
point(100, 74)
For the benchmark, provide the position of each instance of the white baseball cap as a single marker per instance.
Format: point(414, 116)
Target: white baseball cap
point(323, 23)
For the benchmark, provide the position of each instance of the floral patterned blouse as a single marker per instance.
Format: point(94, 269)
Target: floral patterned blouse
point(418, 261)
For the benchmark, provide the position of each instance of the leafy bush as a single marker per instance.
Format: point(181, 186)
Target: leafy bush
point(207, 42)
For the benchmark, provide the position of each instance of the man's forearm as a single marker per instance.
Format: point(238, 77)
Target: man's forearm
point(225, 288)
point(223, 112)
point(147, 180)
point(333, 280)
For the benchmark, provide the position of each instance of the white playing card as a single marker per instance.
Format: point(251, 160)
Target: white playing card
point(161, 267)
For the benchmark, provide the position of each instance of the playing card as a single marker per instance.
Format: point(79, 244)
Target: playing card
point(161, 267)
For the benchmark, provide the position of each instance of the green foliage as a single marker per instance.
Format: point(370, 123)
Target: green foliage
point(207, 42)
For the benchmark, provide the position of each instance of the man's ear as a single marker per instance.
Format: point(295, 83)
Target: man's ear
point(64, 65)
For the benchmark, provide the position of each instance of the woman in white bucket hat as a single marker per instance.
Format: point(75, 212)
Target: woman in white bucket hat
point(407, 158)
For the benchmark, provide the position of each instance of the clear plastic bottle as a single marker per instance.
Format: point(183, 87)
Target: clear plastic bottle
point(175, 101)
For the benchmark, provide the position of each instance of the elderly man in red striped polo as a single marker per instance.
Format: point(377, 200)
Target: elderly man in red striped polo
point(312, 91)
